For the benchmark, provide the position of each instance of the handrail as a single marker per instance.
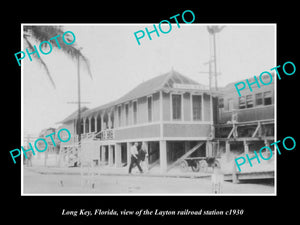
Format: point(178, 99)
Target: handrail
point(246, 123)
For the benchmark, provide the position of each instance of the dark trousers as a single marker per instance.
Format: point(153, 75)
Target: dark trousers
point(134, 161)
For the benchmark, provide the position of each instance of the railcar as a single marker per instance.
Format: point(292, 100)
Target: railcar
point(252, 106)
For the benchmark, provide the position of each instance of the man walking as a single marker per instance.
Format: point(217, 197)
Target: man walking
point(134, 158)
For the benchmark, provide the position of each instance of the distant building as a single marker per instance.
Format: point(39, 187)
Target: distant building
point(50, 145)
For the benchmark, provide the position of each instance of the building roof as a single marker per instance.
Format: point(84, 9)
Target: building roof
point(156, 84)
point(74, 115)
point(264, 78)
point(162, 82)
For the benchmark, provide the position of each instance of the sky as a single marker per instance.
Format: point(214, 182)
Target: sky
point(119, 64)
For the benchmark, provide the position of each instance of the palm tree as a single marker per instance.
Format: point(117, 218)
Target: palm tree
point(44, 33)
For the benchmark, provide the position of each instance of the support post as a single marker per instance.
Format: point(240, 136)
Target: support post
point(109, 123)
point(110, 155)
point(209, 149)
point(246, 147)
point(84, 125)
point(227, 150)
point(128, 146)
point(235, 178)
point(163, 156)
point(266, 143)
point(146, 162)
point(118, 155)
point(187, 146)
point(90, 124)
point(102, 121)
point(268, 154)
point(103, 154)
point(161, 126)
point(95, 119)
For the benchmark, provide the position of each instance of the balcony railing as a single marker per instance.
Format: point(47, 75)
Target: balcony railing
point(107, 134)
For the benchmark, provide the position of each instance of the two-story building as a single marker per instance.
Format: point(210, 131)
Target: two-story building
point(170, 113)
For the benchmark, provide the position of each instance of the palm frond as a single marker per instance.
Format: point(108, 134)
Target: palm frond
point(41, 61)
point(45, 33)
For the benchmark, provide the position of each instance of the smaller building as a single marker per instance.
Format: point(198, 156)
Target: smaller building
point(50, 146)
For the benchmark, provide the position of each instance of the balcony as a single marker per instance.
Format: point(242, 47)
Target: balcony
point(108, 134)
point(85, 136)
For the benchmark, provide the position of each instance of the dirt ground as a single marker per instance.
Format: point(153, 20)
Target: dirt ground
point(36, 183)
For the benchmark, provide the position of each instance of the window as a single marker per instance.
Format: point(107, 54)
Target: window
point(176, 107)
point(126, 113)
point(267, 98)
point(263, 98)
point(242, 103)
point(197, 107)
point(249, 101)
point(258, 99)
point(134, 112)
point(246, 102)
point(119, 115)
point(221, 103)
point(149, 109)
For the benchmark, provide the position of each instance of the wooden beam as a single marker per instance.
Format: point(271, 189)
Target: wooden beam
point(246, 138)
point(257, 129)
point(247, 123)
point(156, 162)
point(185, 155)
point(231, 132)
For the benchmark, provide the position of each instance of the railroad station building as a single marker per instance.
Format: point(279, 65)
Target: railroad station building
point(170, 113)
point(174, 116)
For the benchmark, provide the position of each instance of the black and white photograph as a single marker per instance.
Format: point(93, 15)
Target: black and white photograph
point(161, 114)
point(127, 114)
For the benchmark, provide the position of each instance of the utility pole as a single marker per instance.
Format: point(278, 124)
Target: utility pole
point(79, 97)
point(79, 114)
point(215, 61)
point(212, 30)
point(209, 72)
